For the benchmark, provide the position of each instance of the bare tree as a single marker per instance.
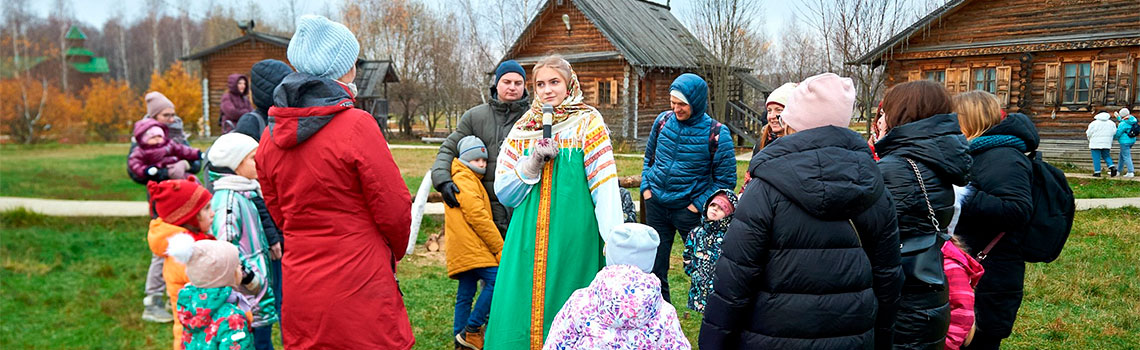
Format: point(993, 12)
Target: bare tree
point(64, 15)
point(726, 28)
point(852, 28)
point(154, 7)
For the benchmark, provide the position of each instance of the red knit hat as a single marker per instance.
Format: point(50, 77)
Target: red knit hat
point(178, 201)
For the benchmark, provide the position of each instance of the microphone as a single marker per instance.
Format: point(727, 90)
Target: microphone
point(547, 116)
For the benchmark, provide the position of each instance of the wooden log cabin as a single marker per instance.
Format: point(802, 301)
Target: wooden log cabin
point(240, 54)
point(1057, 61)
point(626, 53)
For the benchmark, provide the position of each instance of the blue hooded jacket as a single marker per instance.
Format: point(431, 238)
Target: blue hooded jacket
point(683, 172)
point(1122, 131)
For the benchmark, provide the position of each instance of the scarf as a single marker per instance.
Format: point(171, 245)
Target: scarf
point(236, 183)
point(566, 114)
point(983, 143)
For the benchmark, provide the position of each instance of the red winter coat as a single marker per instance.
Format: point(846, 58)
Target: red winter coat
point(333, 188)
point(235, 103)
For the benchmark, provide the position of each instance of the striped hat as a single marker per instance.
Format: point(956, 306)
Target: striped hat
point(178, 201)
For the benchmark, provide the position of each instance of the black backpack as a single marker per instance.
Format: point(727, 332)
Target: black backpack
point(1053, 210)
point(1134, 130)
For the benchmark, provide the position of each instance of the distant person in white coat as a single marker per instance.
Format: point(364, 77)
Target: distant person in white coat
point(1100, 134)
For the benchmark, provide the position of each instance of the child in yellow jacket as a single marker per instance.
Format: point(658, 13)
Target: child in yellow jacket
point(183, 210)
point(473, 243)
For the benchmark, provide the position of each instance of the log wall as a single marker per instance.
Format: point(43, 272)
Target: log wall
point(239, 58)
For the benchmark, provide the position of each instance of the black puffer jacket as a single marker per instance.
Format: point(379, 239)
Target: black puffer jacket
point(1001, 200)
point(938, 148)
point(812, 255)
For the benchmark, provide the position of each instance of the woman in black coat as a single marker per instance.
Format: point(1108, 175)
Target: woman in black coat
point(920, 131)
point(812, 254)
point(998, 199)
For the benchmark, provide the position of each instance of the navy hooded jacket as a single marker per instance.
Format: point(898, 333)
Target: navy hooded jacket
point(681, 171)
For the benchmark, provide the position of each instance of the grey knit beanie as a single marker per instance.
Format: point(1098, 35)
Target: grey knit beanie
point(472, 148)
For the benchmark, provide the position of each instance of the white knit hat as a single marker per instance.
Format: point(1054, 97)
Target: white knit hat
point(230, 149)
point(1123, 112)
point(781, 94)
point(632, 244)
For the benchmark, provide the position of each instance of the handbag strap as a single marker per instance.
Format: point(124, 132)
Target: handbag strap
point(986, 252)
point(921, 184)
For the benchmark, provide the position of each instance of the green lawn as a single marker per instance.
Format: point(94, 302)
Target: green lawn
point(76, 283)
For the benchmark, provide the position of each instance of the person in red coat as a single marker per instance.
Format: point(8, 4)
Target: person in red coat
point(331, 185)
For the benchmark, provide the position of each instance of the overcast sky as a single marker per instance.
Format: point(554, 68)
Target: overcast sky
point(96, 12)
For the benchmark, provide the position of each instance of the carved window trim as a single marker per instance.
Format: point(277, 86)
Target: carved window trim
point(1076, 72)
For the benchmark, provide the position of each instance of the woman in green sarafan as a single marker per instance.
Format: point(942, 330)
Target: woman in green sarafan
point(565, 193)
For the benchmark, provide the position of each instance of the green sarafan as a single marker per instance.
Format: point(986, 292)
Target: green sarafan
point(76, 283)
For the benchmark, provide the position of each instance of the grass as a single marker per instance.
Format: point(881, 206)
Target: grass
point(98, 171)
point(1104, 188)
point(76, 283)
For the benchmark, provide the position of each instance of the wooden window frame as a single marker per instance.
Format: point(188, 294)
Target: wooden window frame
point(938, 76)
point(988, 81)
point(603, 92)
point(1076, 90)
point(1136, 83)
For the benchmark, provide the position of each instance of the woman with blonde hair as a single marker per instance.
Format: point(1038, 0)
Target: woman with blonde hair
point(998, 200)
point(565, 194)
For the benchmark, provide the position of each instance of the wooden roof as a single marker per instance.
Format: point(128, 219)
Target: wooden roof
point(1024, 29)
point(645, 33)
point(371, 72)
point(250, 36)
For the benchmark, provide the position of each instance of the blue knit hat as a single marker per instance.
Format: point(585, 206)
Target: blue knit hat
point(509, 66)
point(322, 47)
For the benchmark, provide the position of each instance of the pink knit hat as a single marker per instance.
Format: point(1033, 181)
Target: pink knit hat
point(213, 264)
point(152, 132)
point(822, 100)
point(156, 102)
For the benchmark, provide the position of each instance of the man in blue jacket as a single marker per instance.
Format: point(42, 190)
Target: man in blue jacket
point(688, 157)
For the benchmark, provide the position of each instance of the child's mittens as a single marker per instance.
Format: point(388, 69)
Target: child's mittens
point(178, 170)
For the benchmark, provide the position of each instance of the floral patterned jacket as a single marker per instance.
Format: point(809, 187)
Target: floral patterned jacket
point(211, 319)
point(621, 309)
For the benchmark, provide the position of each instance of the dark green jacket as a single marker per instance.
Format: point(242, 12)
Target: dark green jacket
point(490, 122)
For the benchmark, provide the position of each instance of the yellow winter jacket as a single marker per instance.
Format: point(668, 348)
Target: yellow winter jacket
point(473, 241)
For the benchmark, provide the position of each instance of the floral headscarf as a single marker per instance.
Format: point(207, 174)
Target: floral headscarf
point(573, 105)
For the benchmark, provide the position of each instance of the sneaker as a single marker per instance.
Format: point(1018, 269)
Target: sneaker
point(470, 340)
point(154, 311)
point(1097, 174)
point(1111, 172)
point(1129, 175)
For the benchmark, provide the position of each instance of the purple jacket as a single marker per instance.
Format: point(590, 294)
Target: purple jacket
point(235, 102)
point(145, 156)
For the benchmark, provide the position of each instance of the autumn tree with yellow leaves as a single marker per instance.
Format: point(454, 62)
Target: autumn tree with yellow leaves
point(183, 90)
point(110, 107)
